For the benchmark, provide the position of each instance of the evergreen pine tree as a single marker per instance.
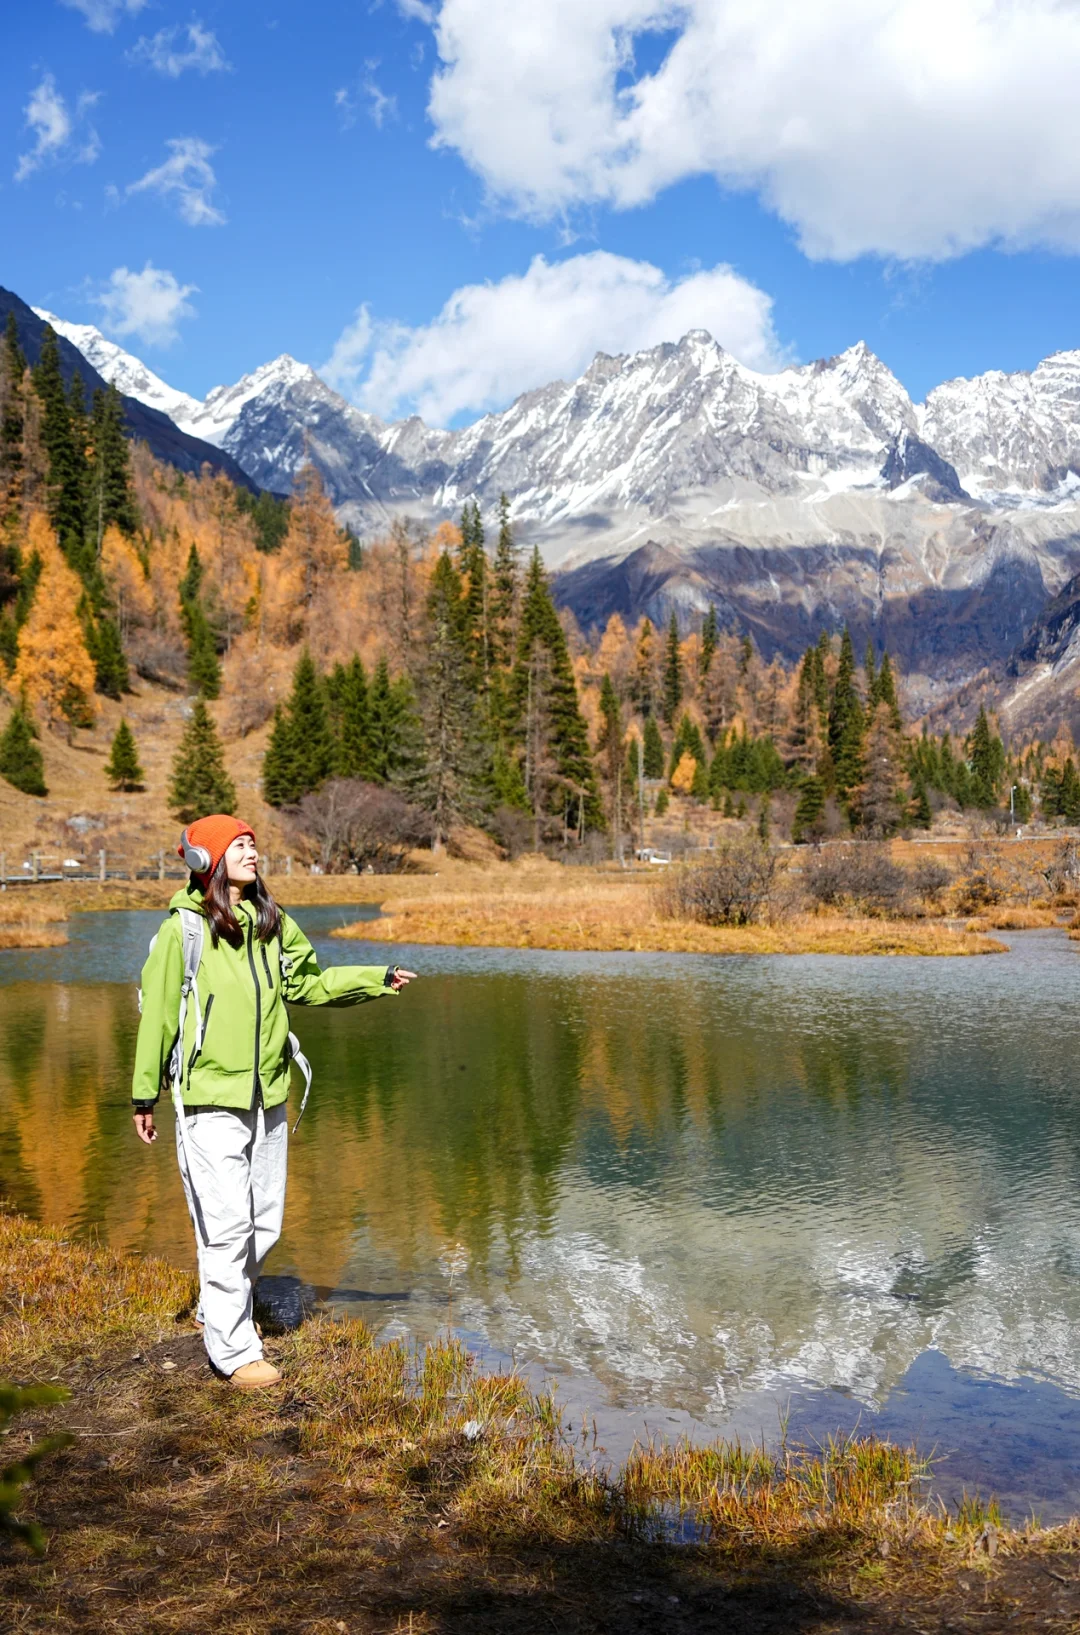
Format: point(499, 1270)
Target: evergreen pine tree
point(446, 779)
point(809, 810)
point(110, 487)
point(1069, 798)
point(1022, 803)
point(654, 749)
point(709, 637)
point(391, 725)
point(886, 691)
point(67, 462)
point(200, 784)
point(663, 801)
point(673, 686)
point(986, 759)
point(122, 768)
point(922, 816)
point(312, 742)
point(103, 643)
point(847, 724)
point(504, 589)
point(1050, 793)
point(699, 787)
point(204, 668)
point(472, 615)
point(822, 652)
point(871, 680)
point(278, 772)
point(353, 722)
point(609, 739)
point(21, 762)
point(634, 768)
point(545, 694)
point(763, 821)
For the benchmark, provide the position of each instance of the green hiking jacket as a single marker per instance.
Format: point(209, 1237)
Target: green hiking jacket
point(242, 1002)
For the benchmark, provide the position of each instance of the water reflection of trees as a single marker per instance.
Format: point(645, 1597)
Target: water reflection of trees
point(458, 1114)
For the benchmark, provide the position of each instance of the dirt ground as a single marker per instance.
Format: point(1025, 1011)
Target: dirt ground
point(360, 1498)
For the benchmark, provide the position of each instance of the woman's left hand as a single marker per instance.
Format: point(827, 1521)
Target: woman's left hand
point(401, 979)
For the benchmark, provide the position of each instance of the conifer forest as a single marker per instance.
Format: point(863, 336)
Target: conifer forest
point(431, 665)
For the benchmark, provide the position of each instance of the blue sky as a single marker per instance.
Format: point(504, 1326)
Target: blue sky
point(369, 186)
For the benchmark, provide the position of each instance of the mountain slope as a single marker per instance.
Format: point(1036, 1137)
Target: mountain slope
point(143, 422)
point(675, 477)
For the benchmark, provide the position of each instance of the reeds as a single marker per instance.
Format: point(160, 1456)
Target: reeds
point(31, 923)
point(605, 914)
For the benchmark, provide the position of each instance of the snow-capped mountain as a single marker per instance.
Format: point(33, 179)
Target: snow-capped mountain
point(676, 477)
point(1016, 432)
point(127, 373)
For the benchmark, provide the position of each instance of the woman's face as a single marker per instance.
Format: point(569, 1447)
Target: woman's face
point(241, 861)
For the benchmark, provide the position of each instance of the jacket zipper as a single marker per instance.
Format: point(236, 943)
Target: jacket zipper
point(200, 1039)
point(258, 1016)
point(266, 968)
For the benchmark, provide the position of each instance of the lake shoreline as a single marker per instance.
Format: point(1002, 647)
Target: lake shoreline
point(530, 904)
point(382, 1490)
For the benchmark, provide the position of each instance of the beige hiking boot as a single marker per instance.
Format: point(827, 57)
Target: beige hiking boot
point(255, 1376)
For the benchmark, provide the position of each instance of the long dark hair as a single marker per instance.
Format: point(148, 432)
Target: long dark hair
point(219, 909)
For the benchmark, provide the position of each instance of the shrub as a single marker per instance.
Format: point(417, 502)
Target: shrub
point(929, 878)
point(352, 825)
point(734, 886)
point(860, 875)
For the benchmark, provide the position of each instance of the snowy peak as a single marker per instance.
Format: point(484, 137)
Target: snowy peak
point(213, 419)
point(127, 373)
point(1018, 432)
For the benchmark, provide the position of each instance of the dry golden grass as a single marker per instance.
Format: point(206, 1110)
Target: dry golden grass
point(31, 923)
point(385, 1488)
point(1014, 919)
point(604, 912)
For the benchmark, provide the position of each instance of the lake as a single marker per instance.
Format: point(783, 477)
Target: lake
point(704, 1195)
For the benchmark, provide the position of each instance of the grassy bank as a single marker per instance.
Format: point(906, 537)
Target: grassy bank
point(31, 924)
point(383, 1491)
point(540, 905)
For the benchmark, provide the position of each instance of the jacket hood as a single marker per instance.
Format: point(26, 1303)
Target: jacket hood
point(189, 896)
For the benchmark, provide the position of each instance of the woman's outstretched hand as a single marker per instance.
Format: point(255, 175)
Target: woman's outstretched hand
point(401, 979)
point(144, 1127)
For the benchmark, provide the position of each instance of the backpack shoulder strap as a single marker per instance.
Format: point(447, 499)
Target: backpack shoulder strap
point(191, 932)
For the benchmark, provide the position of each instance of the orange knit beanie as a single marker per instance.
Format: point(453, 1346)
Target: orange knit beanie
point(214, 835)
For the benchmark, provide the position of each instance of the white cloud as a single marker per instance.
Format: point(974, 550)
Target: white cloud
point(103, 15)
point(380, 106)
point(58, 134)
point(909, 128)
point(186, 177)
point(419, 11)
point(149, 304)
point(492, 341)
point(164, 52)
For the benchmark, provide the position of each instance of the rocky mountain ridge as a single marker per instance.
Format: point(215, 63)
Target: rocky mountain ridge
point(144, 420)
point(675, 477)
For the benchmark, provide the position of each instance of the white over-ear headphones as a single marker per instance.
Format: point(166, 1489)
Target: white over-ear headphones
point(197, 858)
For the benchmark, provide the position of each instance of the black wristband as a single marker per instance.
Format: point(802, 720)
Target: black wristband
point(143, 1106)
point(391, 973)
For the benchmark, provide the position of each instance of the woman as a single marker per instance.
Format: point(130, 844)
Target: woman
point(232, 1068)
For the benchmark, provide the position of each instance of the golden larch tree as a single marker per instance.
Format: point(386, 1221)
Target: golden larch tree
point(54, 669)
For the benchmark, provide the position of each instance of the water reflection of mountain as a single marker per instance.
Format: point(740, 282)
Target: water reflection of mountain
point(693, 1178)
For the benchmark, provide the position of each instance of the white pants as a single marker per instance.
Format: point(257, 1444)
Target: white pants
point(239, 1160)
